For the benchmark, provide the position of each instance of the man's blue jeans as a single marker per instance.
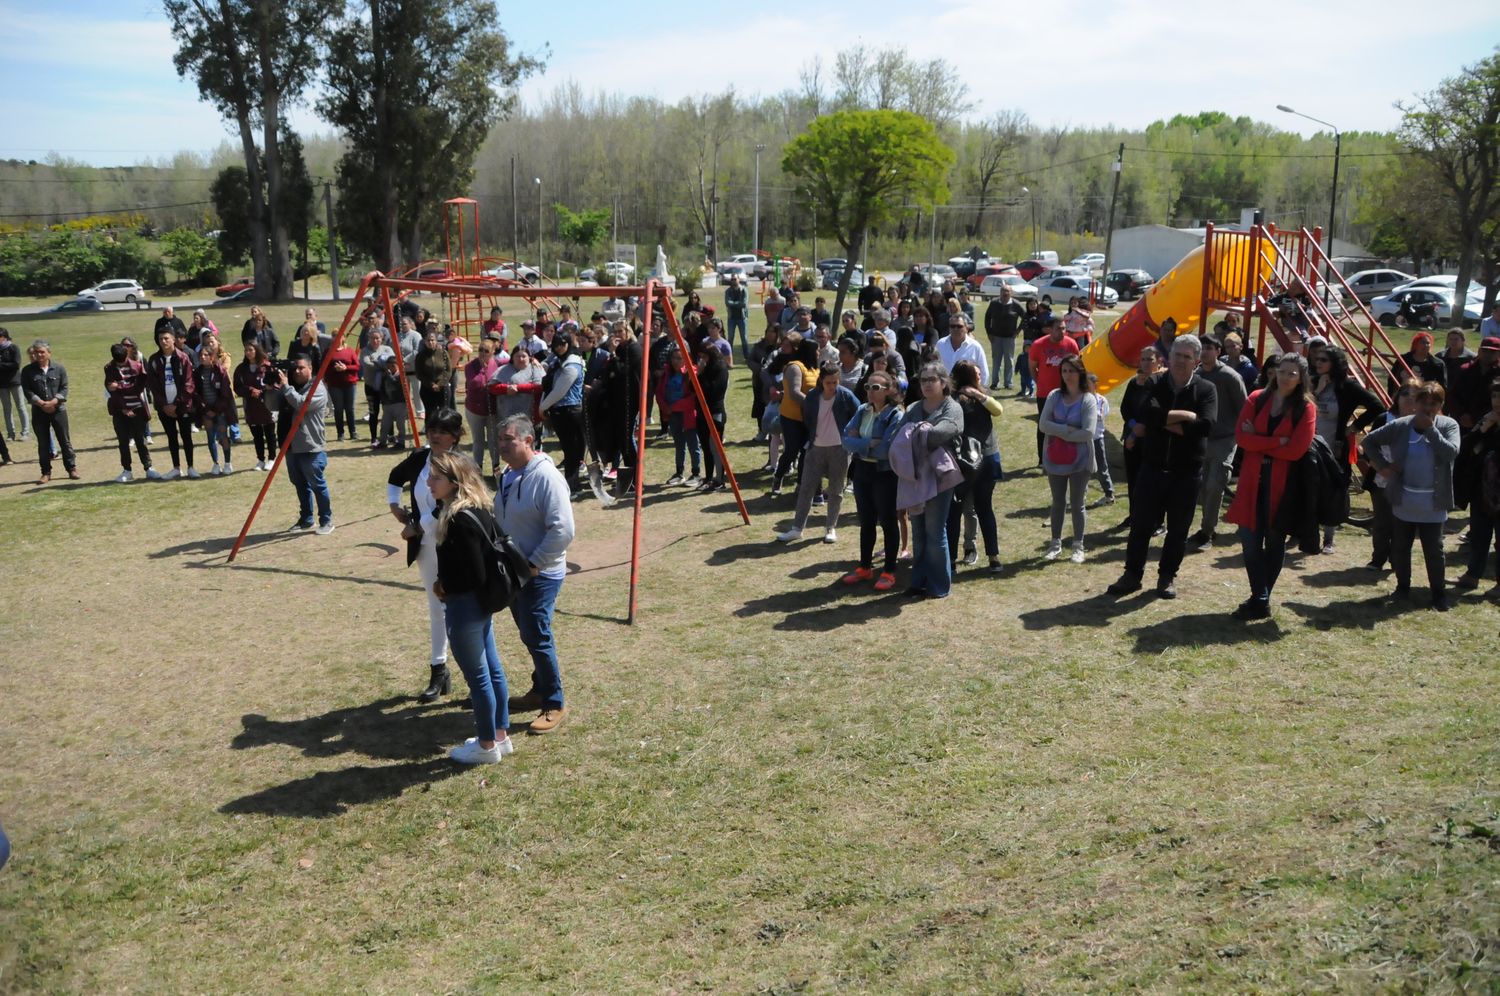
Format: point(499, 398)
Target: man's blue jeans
point(532, 611)
point(471, 635)
point(931, 570)
point(306, 473)
point(738, 322)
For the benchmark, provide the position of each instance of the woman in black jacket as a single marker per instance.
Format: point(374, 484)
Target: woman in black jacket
point(465, 521)
point(1337, 396)
point(713, 377)
point(1146, 367)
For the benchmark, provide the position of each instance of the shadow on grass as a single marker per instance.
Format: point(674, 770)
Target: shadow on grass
point(1361, 614)
point(332, 793)
point(813, 609)
point(396, 728)
point(1203, 629)
point(317, 575)
point(747, 551)
point(1344, 577)
point(1098, 611)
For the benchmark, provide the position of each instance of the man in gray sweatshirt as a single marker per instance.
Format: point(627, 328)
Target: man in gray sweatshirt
point(305, 450)
point(1219, 463)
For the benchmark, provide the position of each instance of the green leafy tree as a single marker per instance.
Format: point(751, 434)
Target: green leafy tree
point(230, 193)
point(191, 254)
point(857, 167)
point(1455, 129)
point(252, 59)
point(414, 88)
point(582, 230)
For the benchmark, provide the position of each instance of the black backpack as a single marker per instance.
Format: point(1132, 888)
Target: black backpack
point(506, 567)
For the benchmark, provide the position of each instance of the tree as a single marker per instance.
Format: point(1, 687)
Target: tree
point(234, 203)
point(252, 59)
point(993, 146)
point(1456, 130)
point(582, 229)
point(858, 166)
point(1409, 213)
point(193, 256)
point(415, 89)
point(705, 124)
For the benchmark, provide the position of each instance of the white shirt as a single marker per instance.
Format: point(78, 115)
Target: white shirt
point(948, 355)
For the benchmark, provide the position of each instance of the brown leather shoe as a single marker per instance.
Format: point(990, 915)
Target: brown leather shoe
point(44, 479)
point(547, 720)
point(530, 702)
point(74, 475)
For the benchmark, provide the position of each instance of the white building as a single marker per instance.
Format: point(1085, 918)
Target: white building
point(1158, 248)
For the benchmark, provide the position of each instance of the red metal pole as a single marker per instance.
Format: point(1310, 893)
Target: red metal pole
point(297, 419)
point(1208, 272)
point(639, 470)
point(411, 411)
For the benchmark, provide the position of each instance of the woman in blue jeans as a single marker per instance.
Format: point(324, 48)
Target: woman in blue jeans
point(464, 523)
point(931, 572)
point(980, 411)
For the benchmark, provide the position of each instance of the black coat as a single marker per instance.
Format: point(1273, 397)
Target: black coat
point(1316, 495)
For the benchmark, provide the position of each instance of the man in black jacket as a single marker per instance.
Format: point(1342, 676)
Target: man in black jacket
point(45, 385)
point(1002, 320)
point(1178, 412)
point(10, 385)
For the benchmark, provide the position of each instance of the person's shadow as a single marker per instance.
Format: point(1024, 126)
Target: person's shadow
point(395, 728)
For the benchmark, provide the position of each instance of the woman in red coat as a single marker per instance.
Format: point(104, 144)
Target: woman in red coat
point(1275, 429)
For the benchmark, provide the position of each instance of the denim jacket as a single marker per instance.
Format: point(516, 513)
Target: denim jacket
point(882, 434)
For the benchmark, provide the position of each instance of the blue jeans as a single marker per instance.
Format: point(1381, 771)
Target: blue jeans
point(930, 569)
point(1023, 368)
point(471, 636)
point(738, 322)
point(532, 611)
point(306, 473)
point(1264, 553)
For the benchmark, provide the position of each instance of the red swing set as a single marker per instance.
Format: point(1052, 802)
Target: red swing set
point(467, 291)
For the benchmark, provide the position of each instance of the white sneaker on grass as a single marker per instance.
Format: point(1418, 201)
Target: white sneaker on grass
point(228, 469)
point(192, 474)
point(152, 474)
point(214, 472)
point(324, 529)
point(831, 535)
point(469, 752)
point(171, 475)
point(1054, 550)
point(1077, 556)
point(789, 536)
point(125, 476)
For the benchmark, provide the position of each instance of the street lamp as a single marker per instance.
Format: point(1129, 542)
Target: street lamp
point(1035, 247)
point(1333, 197)
point(539, 267)
point(755, 236)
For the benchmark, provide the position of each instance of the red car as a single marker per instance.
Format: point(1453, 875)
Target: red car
point(988, 269)
point(1030, 268)
point(234, 286)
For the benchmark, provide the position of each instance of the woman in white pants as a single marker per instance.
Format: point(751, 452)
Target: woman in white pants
point(445, 427)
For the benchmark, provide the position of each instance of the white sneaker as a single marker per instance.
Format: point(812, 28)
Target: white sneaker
point(152, 474)
point(215, 472)
point(268, 465)
point(1054, 550)
point(125, 475)
point(171, 475)
point(506, 747)
point(1077, 556)
point(469, 752)
point(193, 474)
point(789, 536)
point(831, 535)
point(324, 529)
point(228, 469)
point(259, 465)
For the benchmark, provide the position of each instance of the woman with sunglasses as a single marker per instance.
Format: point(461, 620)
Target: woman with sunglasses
point(1337, 396)
point(1067, 423)
point(867, 437)
point(445, 427)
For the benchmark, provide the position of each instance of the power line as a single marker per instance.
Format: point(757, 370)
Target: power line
point(121, 210)
point(1270, 155)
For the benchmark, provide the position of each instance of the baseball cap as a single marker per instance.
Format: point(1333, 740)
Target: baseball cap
point(1490, 343)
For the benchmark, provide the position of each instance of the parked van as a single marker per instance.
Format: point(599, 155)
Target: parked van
point(1046, 256)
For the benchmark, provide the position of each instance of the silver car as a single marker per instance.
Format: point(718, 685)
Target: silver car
point(1370, 284)
point(115, 292)
point(1062, 289)
point(991, 285)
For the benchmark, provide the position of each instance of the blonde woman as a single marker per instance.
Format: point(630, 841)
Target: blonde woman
point(465, 520)
point(216, 402)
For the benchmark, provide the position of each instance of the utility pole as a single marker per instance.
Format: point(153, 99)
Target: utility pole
point(539, 225)
point(333, 240)
point(755, 229)
point(1109, 231)
point(515, 214)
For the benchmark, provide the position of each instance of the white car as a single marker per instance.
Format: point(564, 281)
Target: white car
point(116, 292)
point(1062, 289)
point(1444, 281)
point(518, 271)
point(1053, 272)
point(618, 272)
point(744, 260)
point(1384, 308)
point(1019, 289)
point(1092, 260)
point(1370, 284)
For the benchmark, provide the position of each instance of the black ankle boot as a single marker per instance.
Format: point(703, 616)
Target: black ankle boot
point(437, 687)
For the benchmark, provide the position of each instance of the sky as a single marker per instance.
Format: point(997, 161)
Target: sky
point(93, 81)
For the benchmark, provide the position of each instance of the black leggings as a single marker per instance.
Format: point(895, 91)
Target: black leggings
point(793, 442)
point(568, 423)
point(1431, 535)
point(265, 441)
point(341, 397)
point(132, 429)
point(179, 426)
point(875, 503)
point(707, 445)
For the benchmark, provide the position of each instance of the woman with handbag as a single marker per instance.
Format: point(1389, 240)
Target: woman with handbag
point(464, 524)
point(979, 459)
point(445, 427)
point(1067, 424)
point(867, 437)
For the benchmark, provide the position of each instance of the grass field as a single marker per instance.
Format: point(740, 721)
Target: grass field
point(216, 777)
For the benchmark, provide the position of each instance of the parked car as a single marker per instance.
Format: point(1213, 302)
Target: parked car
point(832, 277)
point(1445, 281)
point(1029, 268)
point(989, 269)
point(1384, 308)
point(936, 273)
point(1092, 260)
point(516, 271)
point(1370, 284)
point(618, 271)
point(832, 263)
point(77, 305)
point(1063, 287)
point(234, 286)
point(1129, 284)
point(1019, 289)
point(116, 292)
point(965, 265)
point(238, 297)
point(744, 260)
point(1053, 272)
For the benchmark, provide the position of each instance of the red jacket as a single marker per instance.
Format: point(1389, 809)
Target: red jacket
point(1265, 441)
point(250, 384)
point(182, 373)
point(126, 383)
point(350, 359)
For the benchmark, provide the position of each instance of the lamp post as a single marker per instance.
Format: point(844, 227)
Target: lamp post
point(755, 231)
point(539, 267)
point(1333, 197)
point(1035, 248)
